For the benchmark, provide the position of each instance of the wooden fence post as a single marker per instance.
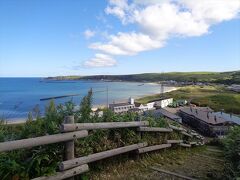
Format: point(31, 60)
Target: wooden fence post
point(69, 145)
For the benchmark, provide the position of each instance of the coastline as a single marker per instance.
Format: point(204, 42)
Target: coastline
point(174, 89)
point(14, 121)
point(46, 80)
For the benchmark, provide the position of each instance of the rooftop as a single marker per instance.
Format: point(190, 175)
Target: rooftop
point(139, 104)
point(206, 114)
point(119, 104)
point(165, 113)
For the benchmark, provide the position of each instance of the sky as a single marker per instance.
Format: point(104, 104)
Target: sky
point(40, 38)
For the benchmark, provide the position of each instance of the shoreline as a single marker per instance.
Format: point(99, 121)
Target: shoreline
point(99, 80)
point(21, 120)
point(174, 89)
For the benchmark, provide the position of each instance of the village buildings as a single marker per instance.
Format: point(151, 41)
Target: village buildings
point(206, 121)
point(202, 119)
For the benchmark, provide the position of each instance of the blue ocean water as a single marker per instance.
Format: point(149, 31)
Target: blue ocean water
point(18, 96)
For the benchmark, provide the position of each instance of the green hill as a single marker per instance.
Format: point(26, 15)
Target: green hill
point(232, 77)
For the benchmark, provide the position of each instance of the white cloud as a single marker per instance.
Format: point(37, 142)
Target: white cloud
point(119, 12)
point(160, 20)
point(146, 2)
point(213, 11)
point(89, 33)
point(163, 20)
point(100, 60)
point(127, 44)
point(120, 9)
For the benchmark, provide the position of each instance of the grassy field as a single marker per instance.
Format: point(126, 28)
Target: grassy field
point(216, 97)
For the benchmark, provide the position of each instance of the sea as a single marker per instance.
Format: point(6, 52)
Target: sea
point(19, 96)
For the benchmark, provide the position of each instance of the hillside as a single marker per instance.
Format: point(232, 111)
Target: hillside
point(216, 97)
point(214, 77)
point(198, 162)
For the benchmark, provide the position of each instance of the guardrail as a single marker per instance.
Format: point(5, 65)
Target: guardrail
point(72, 166)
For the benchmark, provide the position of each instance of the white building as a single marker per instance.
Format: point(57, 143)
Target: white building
point(122, 107)
point(151, 105)
point(145, 107)
point(132, 106)
point(163, 102)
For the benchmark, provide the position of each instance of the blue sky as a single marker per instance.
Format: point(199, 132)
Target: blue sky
point(72, 37)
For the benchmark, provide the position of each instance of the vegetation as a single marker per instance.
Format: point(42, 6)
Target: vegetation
point(216, 97)
point(232, 153)
point(44, 160)
point(213, 77)
point(177, 160)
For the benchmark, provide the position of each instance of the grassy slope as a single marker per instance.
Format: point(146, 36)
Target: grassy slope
point(181, 161)
point(216, 97)
point(224, 77)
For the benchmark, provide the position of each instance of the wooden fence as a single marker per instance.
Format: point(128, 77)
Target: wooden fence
point(72, 166)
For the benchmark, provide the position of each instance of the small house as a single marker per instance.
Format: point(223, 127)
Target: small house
point(162, 102)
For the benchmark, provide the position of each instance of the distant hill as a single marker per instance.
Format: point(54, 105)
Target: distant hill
point(232, 77)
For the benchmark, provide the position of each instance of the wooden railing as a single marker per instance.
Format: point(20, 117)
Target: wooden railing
point(43, 140)
point(72, 166)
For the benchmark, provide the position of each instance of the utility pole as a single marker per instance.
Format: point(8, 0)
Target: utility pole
point(107, 97)
point(161, 90)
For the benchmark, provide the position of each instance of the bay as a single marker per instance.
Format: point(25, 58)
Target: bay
point(19, 96)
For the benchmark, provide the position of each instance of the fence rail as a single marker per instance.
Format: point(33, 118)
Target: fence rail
point(105, 125)
point(153, 148)
point(43, 140)
point(98, 156)
point(154, 129)
point(174, 141)
point(176, 128)
point(72, 166)
point(186, 134)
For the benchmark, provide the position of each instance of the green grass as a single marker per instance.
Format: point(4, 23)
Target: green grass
point(216, 97)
